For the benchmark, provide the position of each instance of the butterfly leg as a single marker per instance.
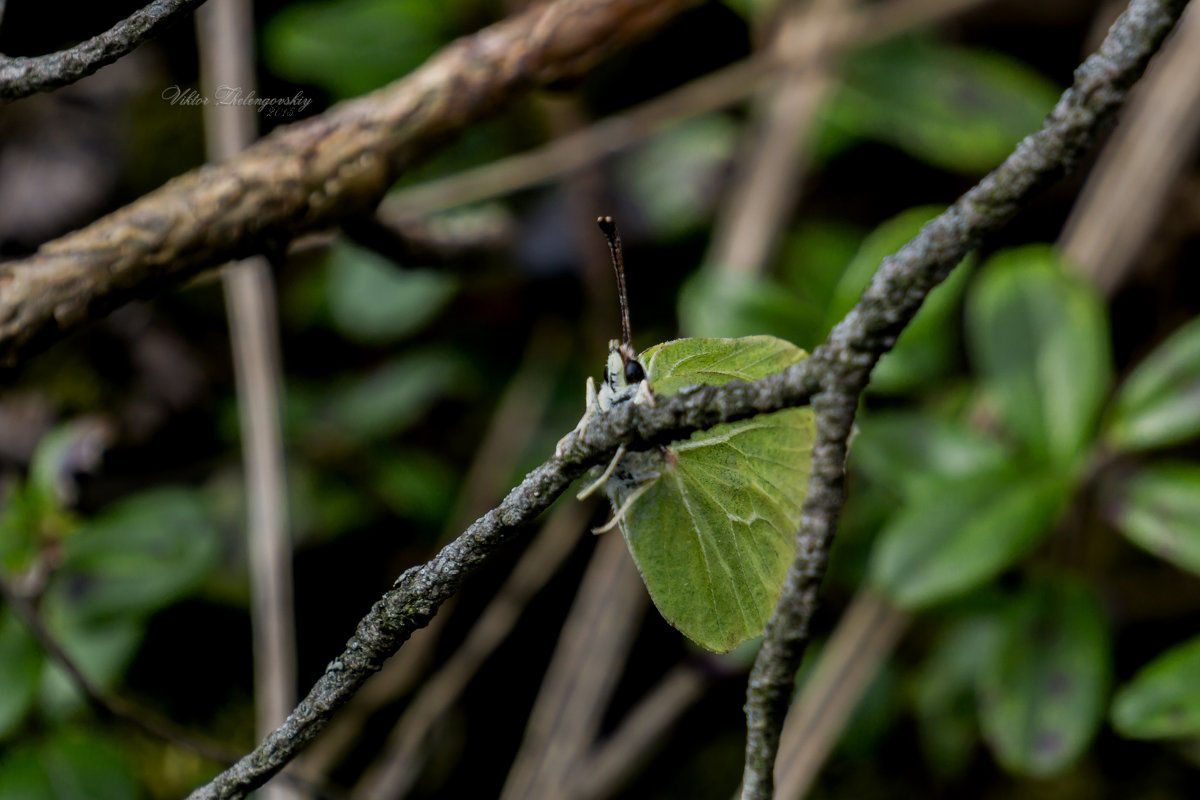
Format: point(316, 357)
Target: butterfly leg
point(589, 411)
point(619, 514)
point(645, 395)
point(603, 479)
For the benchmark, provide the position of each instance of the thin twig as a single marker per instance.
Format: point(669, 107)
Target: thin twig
point(310, 174)
point(113, 707)
point(711, 92)
point(862, 641)
point(1130, 187)
point(612, 763)
point(225, 30)
point(845, 361)
point(589, 658)
point(775, 146)
point(419, 591)
point(25, 75)
point(397, 766)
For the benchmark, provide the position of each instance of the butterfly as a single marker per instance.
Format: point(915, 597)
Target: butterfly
point(710, 521)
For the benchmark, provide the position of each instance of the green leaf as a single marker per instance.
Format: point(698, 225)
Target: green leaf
point(140, 554)
point(415, 485)
point(1159, 403)
point(100, 649)
point(20, 666)
point(957, 532)
point(1039, 340)
point(905, 448)
point(814, 257)
point(350, 47)
point(88, 767)
point(395, 396)
point(70, 766)
point(674, 178)
point(23, 776)
point(322, 504)
point(1158, 509)
point(712, 520)
point(1163, 699)
point(374, 301)
point(1042, 697)
point(956, 108)
point(928, 346)
point(883, 241)
point(26, 523)
point(945, 692)
point(714, 303)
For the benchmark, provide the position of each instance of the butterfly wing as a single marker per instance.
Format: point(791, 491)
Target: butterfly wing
point(714, 534)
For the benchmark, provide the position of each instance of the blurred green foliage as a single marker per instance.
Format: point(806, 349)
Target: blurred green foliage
point(996, 436)
point(105, 576)
point(955, 108)
point(349, 47)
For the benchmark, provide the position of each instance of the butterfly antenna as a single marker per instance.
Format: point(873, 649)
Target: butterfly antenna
point(609, 229)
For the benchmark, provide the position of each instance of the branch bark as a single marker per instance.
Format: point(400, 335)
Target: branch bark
point(317, 172)
point(843, 364)
point(419, 591)
point(309, 174)
point(21, 76)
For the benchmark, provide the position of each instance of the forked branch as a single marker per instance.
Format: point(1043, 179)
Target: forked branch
point(843, 364)
point(307, 175)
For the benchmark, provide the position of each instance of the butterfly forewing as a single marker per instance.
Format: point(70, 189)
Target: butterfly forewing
point(714, 534)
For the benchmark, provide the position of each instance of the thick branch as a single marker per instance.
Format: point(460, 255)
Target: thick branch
point(418, 592)
point(307, 175)
point(25, 75)
point(843, 364)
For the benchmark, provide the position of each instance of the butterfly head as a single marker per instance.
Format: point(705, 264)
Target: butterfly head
point(623, 375)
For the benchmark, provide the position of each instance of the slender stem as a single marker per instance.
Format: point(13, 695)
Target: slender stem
point(226, 41)
point(844, 362)
point(22, 76)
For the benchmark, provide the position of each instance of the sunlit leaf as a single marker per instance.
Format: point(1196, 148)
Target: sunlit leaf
point(958, 532)
point(956, 108)
point(928, 346)
point(714, 528)
point(1159, 403)
point(1043, 695)
point(1158, 508)
point(1039, 339)
point(714, 303)
point(1163, 699)
point(902, 448)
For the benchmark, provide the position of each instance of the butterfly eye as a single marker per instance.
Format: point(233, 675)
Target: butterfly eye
point(634, 372)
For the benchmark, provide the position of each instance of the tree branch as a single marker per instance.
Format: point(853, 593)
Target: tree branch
point(419, 591)
point(307, 175)
point(843, 364)
point(25, 75)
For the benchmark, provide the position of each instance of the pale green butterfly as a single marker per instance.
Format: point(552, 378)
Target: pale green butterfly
point(711, 521)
